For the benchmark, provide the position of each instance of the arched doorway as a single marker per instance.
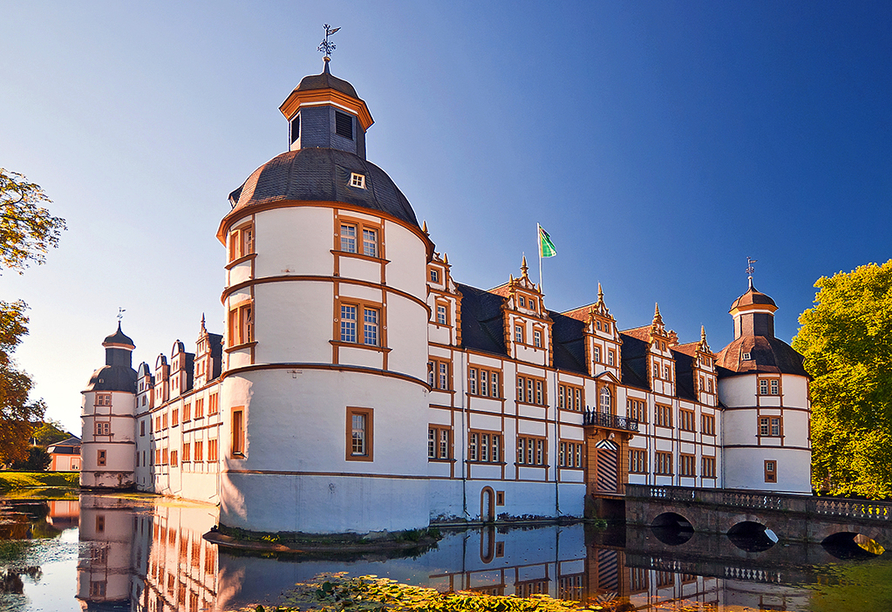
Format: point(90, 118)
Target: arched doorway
point(607, 467)
point(487, 505)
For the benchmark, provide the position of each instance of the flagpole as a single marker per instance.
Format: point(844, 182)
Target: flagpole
point(539, 249)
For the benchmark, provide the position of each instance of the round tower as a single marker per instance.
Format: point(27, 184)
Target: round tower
point(108, 447)
point(325, 359)
point(764, 390)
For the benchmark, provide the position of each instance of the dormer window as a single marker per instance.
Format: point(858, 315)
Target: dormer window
point(435, 276)
point(746, 356)
point(343, 125)
point(523, 303)
point(357, 180)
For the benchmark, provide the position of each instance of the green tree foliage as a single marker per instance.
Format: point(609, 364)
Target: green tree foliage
point(846, 339)
point(37, 460)
point(27, 232)
point(49, 433)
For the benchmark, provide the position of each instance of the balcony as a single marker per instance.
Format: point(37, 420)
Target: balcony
point(609, 421)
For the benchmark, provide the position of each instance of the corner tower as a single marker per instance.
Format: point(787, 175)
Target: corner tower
point(108, 447)
point(764, 389)
point(326, 402)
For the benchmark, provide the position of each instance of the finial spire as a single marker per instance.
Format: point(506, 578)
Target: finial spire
point(523, 265)
point(750, 269)
point(702, 333)
point(326, 46)
point(600, 293)
point(121, 312)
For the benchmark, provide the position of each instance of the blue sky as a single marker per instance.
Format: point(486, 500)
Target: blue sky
point(659, 143)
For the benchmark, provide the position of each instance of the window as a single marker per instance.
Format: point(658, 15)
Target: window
point(103, 399)
point(357, 180)
point(435, 276)
point(438, 374)
point(746, 356)
point(371, 324)
point(359, 434)
point(611, 357)
point(238, 433)
point(769, 386)
point(596, 353)
point(100, 457)
point(770, 426)
point(531, 390)
point(199, 408)
point(636, 409)
point(664, 415)
point(606, 400)
point(667, 372)
point(518, 334)
point(103, 428)
point(637, 461)
point(187, 448)
point(686, 420)
point(708, 467)
point(686, 465)
point(241, 324)
point(484, 382)
point(571, 397)
point(707, 423)
point(351, 231)
point(199, 451)
point(570, 454)
point(241, 242)
point(157, 456)
point(175, 417)
point(530, 451)
point(537, 338)
point(343, 125)
point(522, 301)
point(164, 420)
point(663, 463)
point(164, 457)
point(213, 403)
point(174, 459)
point(295, 128)
point(142, 428)
point(212, 450)
point(485, 447)
point(770, 470)
point(439, 444)
point(441, 315)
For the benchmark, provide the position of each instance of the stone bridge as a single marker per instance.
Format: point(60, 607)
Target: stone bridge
point(802, 518)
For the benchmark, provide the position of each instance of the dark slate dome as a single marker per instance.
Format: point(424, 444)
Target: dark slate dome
point(119, 337)
point(326, 81)
point(322, 174)
point(113, 378)
point(767, 354)
point(753, 296)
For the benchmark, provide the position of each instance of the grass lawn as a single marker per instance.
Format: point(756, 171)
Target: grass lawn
point(17, 481)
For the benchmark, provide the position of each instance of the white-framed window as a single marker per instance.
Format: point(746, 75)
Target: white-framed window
point(357, 180)
point(358, 237)
point(350, 316)
point(606, 400)
point(438, 374)
point(359, 434)
point(439, 442)
point(537, 338)
point(442, 315)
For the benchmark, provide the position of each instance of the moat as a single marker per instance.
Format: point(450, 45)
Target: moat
point(140, 552)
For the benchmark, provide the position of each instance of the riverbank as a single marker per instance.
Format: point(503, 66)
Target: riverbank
point(24, 481)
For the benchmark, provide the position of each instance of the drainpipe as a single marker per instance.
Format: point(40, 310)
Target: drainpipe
point(557, 441)
point(464, 443)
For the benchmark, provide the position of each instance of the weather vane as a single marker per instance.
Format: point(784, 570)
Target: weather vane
point(325, 46)
point(121, 312)
point(750, 269)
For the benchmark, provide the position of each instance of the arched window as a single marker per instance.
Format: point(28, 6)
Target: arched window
point(605, 400)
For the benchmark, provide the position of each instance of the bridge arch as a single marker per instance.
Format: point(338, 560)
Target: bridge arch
point(847, 545)
point(751, 536)
point(671, 528)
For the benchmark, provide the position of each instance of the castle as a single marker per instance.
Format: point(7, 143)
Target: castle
point(359, 387)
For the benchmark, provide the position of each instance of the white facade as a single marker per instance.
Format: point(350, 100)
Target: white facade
point(359, 388)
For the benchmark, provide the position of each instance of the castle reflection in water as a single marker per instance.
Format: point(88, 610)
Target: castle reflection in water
point(148, 554)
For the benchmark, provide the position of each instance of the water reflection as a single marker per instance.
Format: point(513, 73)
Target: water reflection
point(143, 553)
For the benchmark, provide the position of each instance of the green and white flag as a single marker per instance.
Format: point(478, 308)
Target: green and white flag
point(546, 246)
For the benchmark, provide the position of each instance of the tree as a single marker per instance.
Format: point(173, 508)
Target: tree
point(49, 433)
point(37, 460)
point(27, 232)
point(27, 229)
point(846, 339)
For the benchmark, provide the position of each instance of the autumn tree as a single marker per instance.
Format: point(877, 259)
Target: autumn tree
point(27, 232)
point(846, 339)
point(48, 433)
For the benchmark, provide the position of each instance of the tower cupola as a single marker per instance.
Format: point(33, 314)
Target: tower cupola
point(753, 314)
point(324, 111)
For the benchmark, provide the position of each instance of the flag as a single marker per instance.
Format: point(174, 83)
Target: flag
point(546, 246)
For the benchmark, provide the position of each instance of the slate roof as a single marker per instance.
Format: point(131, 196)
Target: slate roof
point(752, 296)
point(322, 174)
point(481, 320)
point(767, 354)
point(634, 359)
point(113, 378)
point(568, 343)
point(325, 81)
point(118, 338)
point(69, 446)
